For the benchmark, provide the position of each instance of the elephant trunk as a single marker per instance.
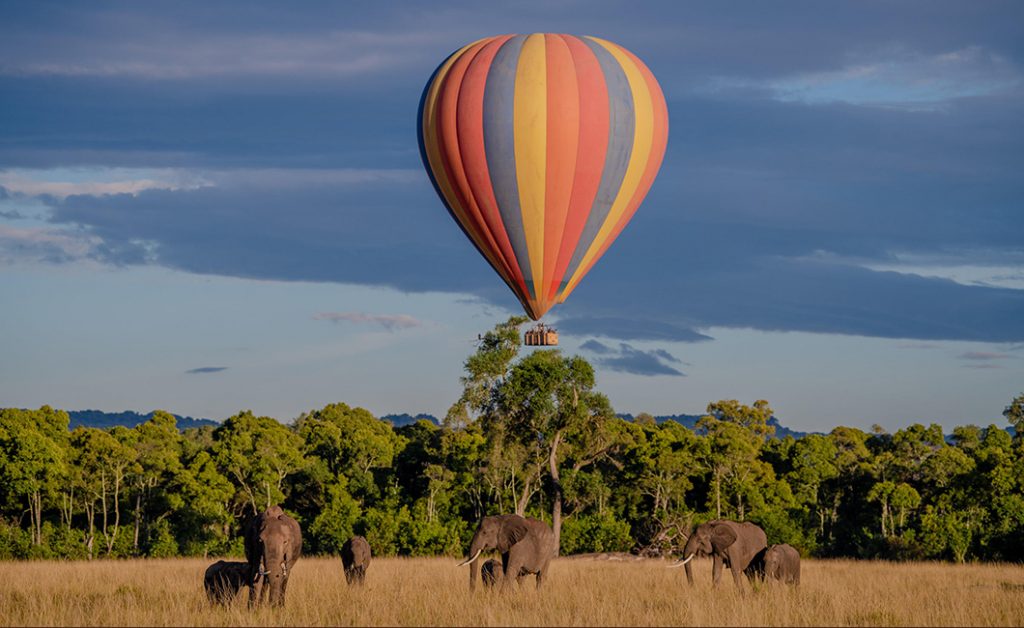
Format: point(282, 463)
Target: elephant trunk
point(275, 575)
point(688, 553)
point(475, 549)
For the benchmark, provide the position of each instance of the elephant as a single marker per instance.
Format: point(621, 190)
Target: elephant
point(273, 542)
point(355, 557)
point(782, 563)
point(738, 546)
point(490, 572)
point(224, 579)
point(526, 546)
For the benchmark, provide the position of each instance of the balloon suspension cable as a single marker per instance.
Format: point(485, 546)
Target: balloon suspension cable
point(541, 335)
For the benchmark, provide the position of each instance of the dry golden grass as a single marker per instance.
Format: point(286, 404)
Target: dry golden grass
point(434, 591)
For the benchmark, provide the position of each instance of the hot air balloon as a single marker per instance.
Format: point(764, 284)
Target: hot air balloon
point(542, 147)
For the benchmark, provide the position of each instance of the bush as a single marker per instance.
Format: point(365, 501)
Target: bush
point(15, 543)
point(595, 533)
point(335, 524)
point(64, 542)
point(784, 527)
point(381, 528)
point(162, 543)
point(419, 537)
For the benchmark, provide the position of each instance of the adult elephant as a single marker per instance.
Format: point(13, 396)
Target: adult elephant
point(355, 558)
point(526, 546)
point(738, 546)
point(273, 542)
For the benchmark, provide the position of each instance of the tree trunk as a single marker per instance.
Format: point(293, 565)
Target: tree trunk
point(117, 514)
point(138, 521)
point(556, 491)
point(527, 494)
point(90, 513)
point(718, 495)
point(32, 517)
point(523, 500)
point(67, 510)
point(103, 491)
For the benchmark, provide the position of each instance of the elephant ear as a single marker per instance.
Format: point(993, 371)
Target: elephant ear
point(722, 537)
point(512, 531)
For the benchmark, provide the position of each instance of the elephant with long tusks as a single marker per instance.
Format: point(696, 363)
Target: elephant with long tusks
point(526, 546)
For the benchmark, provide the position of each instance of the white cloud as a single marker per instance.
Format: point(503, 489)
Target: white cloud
point(992, 268)
point(44, 245)
point(337, 54)
point(390, 322)
point(61, 183)
point(304, 177)
point(894, 77)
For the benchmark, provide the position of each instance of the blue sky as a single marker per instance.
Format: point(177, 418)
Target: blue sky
point(211, 208)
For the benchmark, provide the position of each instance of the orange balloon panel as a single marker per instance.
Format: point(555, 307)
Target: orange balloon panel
point(542, 147)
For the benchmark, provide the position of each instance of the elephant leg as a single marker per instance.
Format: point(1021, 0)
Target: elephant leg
point(514, 566)
point(284, 587)
point(716, 570)
point(736, 578)
point(255, 592)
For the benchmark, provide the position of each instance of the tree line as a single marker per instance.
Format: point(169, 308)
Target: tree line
point(529, 434)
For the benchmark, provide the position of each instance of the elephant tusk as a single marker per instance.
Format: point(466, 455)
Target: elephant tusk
point(681, 563)
point(469, 560)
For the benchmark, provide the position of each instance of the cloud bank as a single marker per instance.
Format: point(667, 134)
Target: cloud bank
point(790, 196)
point(628, 359)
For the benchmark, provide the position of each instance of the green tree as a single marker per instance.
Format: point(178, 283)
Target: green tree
point(99, 466)
point(882, 494)
point(736, 435)
point(32, 457)
point(336, 523)
point(813, 460)
point(507, 472)
point(350, 441)
point(667, 456)
point(257, 453)
point(485, 373)
point(199, 497)
point(548, 398)
point(1014, 413)
point(158, 446)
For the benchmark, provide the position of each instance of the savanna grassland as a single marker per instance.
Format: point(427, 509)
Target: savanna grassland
point(434, 591)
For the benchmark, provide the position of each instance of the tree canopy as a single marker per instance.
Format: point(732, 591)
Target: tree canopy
point(530, 433)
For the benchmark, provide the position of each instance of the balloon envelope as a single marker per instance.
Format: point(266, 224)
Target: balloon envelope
point(542, 147)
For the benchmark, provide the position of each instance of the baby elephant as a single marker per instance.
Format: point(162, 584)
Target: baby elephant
point(782, 563)
point(224, 579)
point(355, 557)
point(491, 571)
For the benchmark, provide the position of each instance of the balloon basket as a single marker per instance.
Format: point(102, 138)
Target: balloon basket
point(541, 336)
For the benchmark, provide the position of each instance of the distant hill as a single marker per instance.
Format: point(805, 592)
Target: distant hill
point(128, 418)
point(401, 420)
point(690, 421)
